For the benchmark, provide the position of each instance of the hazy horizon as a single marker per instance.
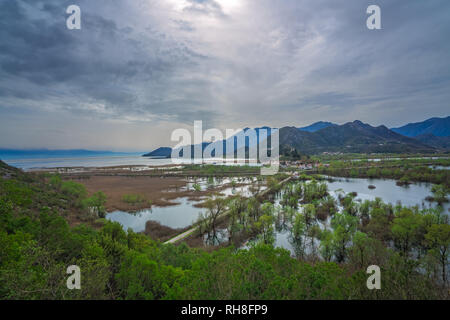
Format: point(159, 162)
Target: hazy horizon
point(130, 151)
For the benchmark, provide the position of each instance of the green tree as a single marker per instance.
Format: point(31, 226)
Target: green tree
point(326, 245)
point(344, 226)
point(96, 204)
point(298, 232)
point(264, 225)
point(215, 207)
point(440, 193)
point(438, 237)
point(405, 230)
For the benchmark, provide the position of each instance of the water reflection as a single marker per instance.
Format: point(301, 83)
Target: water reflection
point(387, 190)
point(178, 216)
point(185, 214)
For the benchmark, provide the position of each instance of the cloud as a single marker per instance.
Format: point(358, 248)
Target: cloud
point(102, 64)
point(230, 63)
point(208, 7)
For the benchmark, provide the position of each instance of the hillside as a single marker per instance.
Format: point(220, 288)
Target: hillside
point(317, 126)
point(439, 127)
point(7, 171)
point(162, 152)
point(434, 141)
point(351, 137)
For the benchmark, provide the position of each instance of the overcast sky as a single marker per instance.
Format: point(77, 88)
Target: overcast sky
point(140, 68)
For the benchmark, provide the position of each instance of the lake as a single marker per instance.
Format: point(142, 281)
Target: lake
point(182, 214)
point(88, 161)
point(386, 189)
point(73, 160)
point(177, 216)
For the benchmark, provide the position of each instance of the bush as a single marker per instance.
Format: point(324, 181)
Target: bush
point(135, 199)
point(74, 189)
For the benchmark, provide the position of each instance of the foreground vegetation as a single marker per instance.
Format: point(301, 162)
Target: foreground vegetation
point(37, 245)
point(346, 231)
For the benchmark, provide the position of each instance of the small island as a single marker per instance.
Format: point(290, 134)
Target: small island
point(162, 152)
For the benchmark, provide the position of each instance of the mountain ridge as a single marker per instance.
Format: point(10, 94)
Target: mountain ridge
point(439, 127)
point(316, 126)
point(161, 152)
point(355, 137)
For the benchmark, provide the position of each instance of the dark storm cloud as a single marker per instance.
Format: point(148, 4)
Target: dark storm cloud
point(100, 64)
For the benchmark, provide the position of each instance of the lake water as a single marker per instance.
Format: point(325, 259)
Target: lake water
point(46, 161)
point(387, 190)
point(177, 216)
point(439, 167)
point(94, 161)
point(184, 214)
point(181, 215)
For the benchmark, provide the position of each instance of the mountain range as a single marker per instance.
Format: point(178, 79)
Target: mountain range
point(352, 137)
point(429, 136)
point(434, 132)
point(439, 127)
